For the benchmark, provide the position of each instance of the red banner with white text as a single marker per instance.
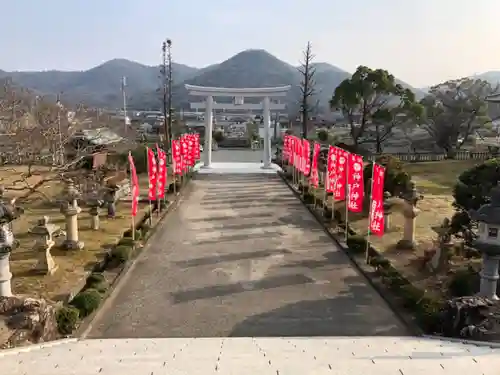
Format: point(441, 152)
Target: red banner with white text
point(176, 156)
point(355, 183)
point(162, 172)
point(152, 173)
point(340, 185)
point(376, 224)
point(331, 170)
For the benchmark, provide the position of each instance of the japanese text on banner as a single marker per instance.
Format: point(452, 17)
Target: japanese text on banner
point(162, 172)
point(152, 173)
point(331, 170)
point(356, 184)
point(340, 186)
point(176, 156)
point(377, 204)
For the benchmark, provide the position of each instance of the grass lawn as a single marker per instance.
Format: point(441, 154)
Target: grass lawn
point(73, 265)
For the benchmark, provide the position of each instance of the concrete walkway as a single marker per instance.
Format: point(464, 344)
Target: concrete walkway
point(243, 257)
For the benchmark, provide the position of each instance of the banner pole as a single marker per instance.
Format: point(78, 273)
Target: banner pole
point(347, 199)
point(149, 198)
point(367, 257)
point(333, 199)
point(132, 220)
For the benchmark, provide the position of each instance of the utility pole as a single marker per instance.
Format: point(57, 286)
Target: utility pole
point(166, 73)
point(169, 59)
point(124, 93)
point(60, 151)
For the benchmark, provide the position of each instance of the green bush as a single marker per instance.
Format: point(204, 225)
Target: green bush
point(357, 244)
point(427, 314)
point(96, 281)
point(411, 295)
point(396, 178)
point(127, 236)
point(462, 283)
point(67, 319)
point(473, 187)
point(218, 136)
point(140, 159)
point(121, 253)
point(379, 262)
point(86, 302)
point(145, 228)
point(323, 135)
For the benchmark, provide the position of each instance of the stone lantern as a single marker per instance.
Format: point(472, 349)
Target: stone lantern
point(410, 197)
point(488, 243)
point(94, 203)
point(387, 211)
point(70, 210)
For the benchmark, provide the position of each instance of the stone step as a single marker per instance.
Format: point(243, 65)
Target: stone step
point(321, 355)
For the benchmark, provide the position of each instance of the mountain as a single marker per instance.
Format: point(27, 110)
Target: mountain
point(255, 68)
point(493, 77)
point(100, 86)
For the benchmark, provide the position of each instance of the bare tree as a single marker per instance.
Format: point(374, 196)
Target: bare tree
point(307, 85)
point(47, 137)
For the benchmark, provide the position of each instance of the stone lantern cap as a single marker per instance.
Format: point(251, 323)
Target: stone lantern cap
point(71, 192)
point(489, 213)
point(44, 228)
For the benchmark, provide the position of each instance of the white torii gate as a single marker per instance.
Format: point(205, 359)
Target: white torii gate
point(238, 93)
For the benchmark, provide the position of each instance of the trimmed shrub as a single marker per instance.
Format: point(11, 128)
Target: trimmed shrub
point(323, 135)
point(357, 244)
point(96, 281)
point(67, 319)
point(86, 302)
point(462, 283)
point(121, 253)
point(411, 295)
point(128, 234)
point(474, 185)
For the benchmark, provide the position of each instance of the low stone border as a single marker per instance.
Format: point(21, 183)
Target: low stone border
point(363, 268)
point(118, 273)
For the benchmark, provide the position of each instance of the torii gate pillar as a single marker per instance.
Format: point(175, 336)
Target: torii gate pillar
point(208, 131)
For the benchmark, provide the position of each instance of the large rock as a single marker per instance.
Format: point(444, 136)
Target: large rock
point(474, 318)
point(28, 320)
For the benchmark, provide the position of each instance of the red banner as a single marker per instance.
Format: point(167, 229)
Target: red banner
point(184, 153)
point(355, 183)
point(296, 152)
point(314, 177)
point(135, 185)
point(286, 147)
point(340, 186)
point(377, 203)
point(331, 169)
point(162, 172)
point(306, 157)
point(197, 155)
point(176, 156)
point(152, 173)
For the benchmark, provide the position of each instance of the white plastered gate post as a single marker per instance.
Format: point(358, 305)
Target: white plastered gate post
point(264, 92)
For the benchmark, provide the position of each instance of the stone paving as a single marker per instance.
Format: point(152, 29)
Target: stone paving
point(243, 257)
point(252, 356)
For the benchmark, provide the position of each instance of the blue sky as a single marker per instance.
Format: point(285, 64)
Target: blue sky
point(422, 42)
